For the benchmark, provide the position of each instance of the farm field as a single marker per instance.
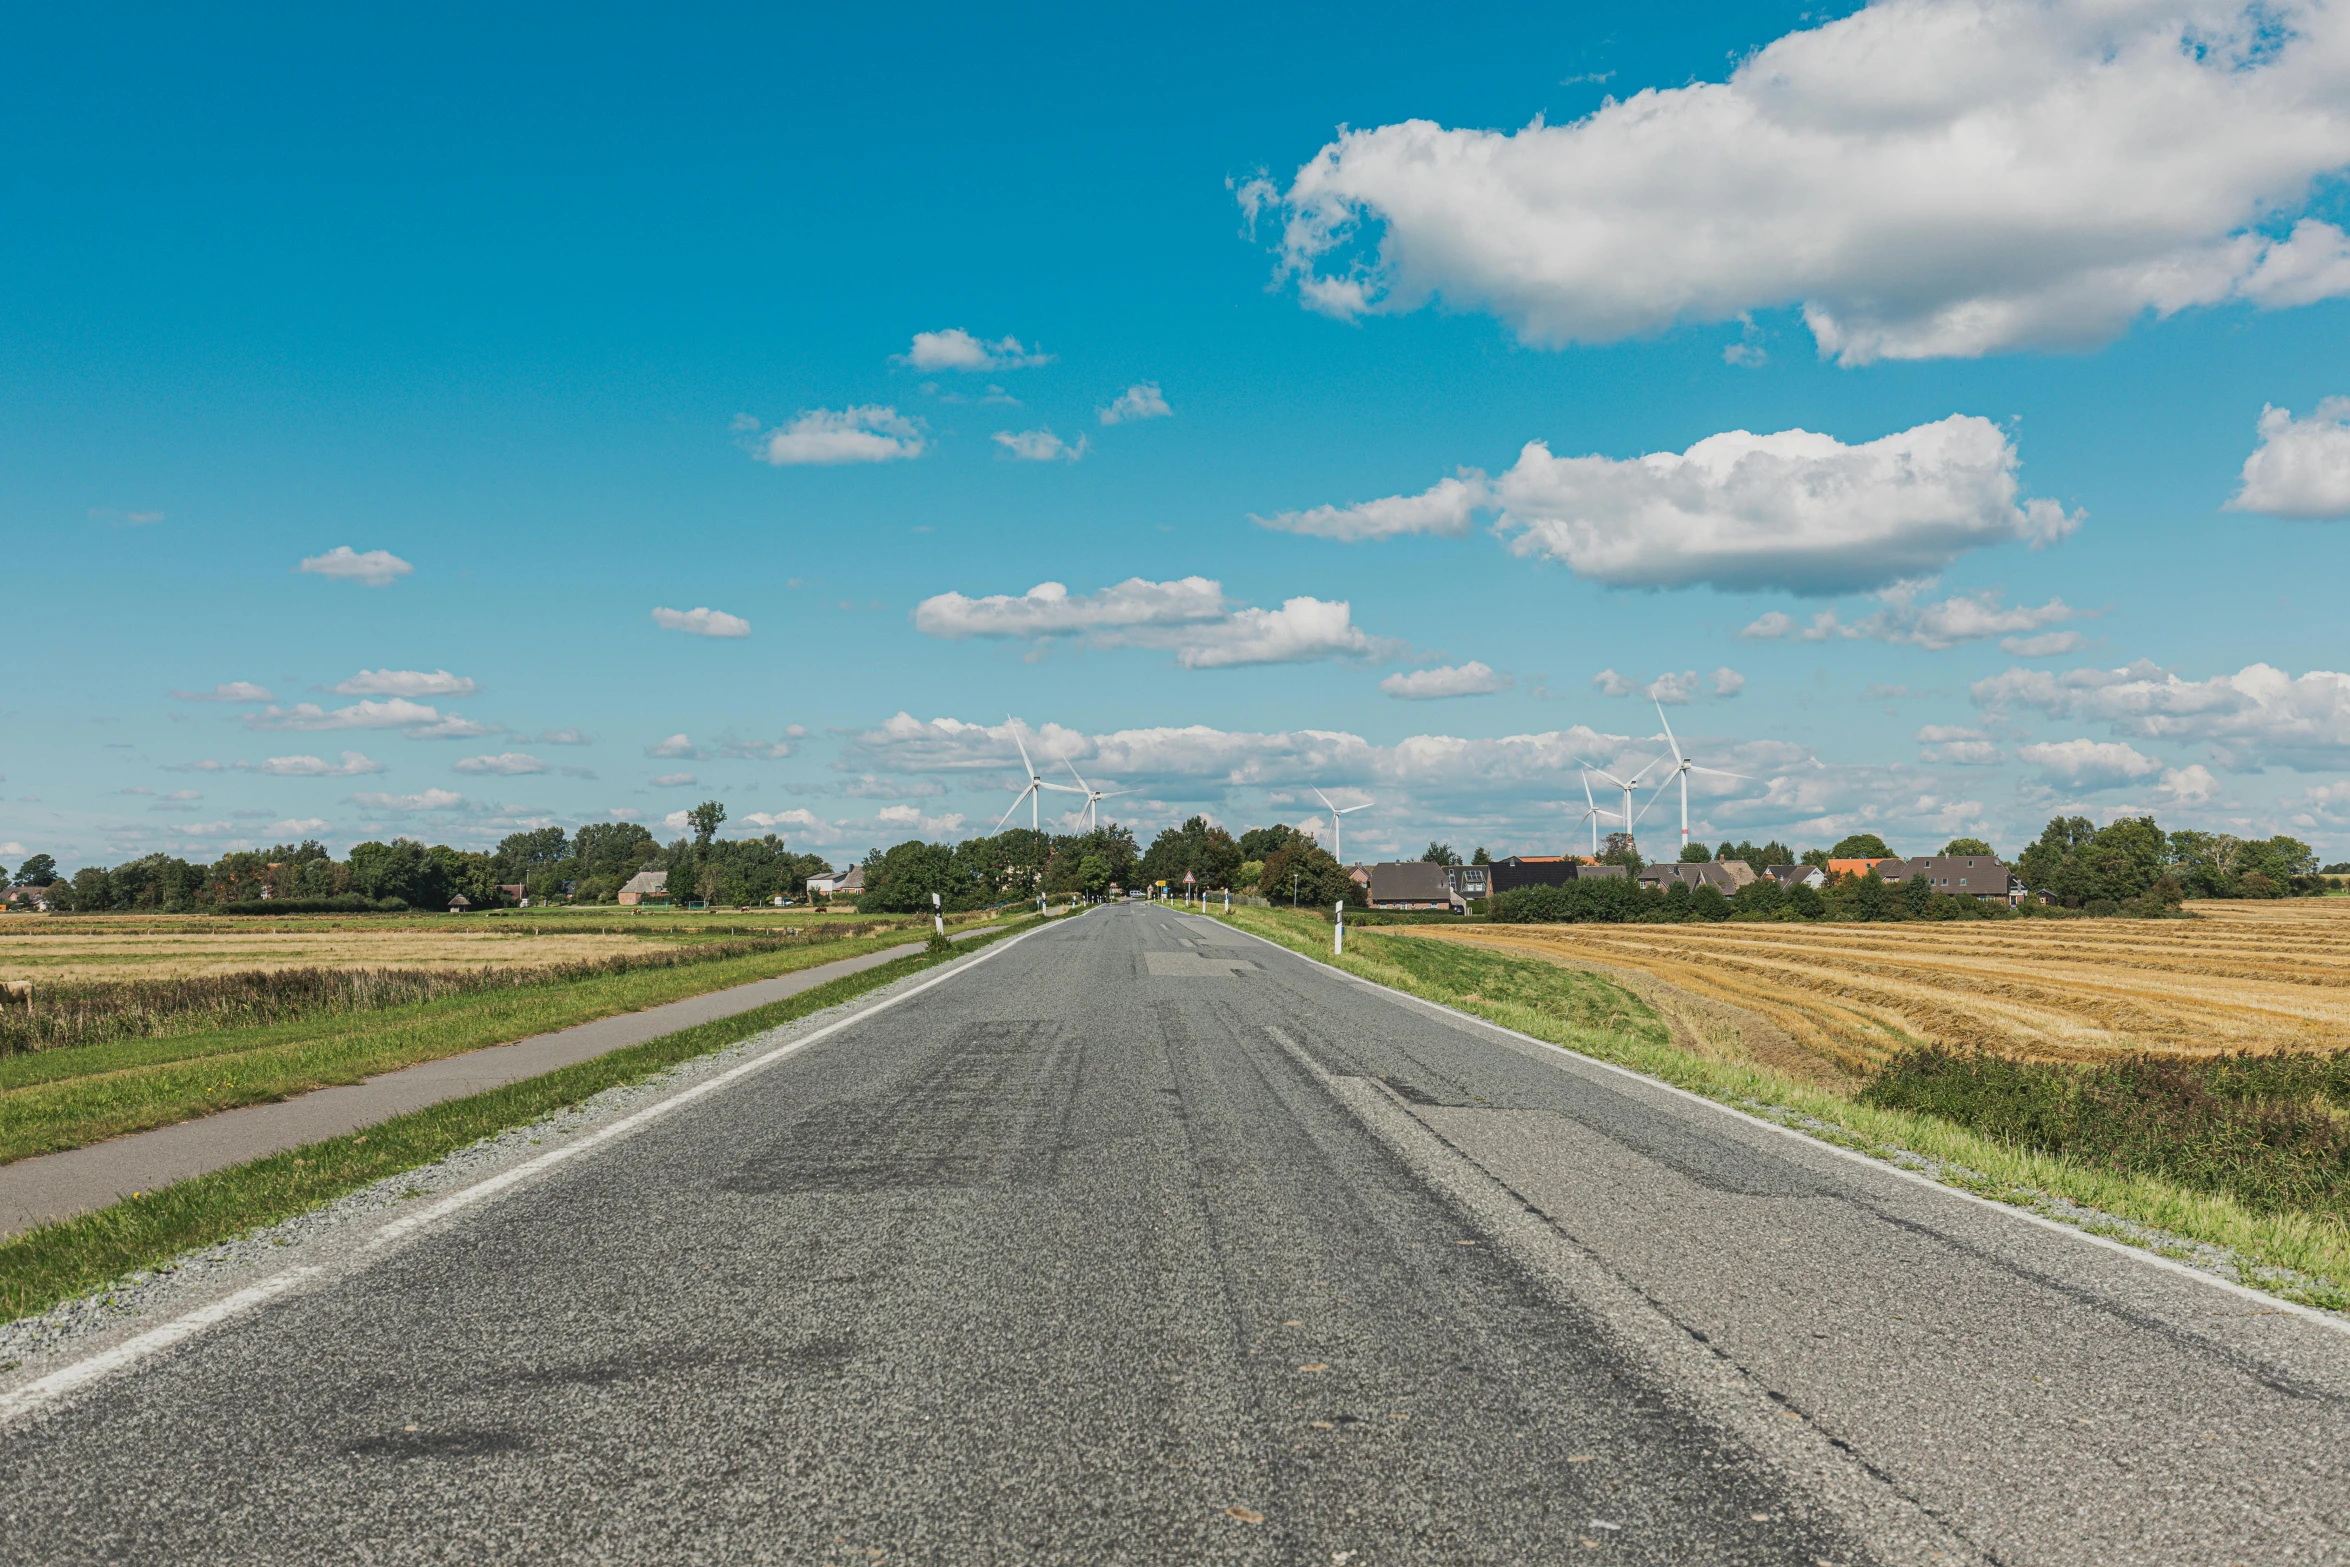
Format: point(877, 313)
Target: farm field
point(53, 950)
point(2251, 976)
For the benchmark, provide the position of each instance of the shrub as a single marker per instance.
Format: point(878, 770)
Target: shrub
point(347, 903)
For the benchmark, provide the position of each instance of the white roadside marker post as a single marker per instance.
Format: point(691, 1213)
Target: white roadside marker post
point(1338, 932)
point(938, 917)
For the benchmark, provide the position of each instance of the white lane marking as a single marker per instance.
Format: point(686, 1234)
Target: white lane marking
point(2276, 1303)
point(47, 1390)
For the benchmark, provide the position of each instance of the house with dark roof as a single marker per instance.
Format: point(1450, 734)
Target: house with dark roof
point(1725, 876)
point(1412, 884)
point(645, 887)
point(1960, 875)
point(1796, 875)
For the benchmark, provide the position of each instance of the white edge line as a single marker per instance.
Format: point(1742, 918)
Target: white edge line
point(2137, 1254)
point(65, 1380)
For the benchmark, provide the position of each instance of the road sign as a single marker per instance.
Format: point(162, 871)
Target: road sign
point(1187, 878)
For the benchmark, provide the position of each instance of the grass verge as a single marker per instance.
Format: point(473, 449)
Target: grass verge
point(76, 1256)
point(56, 1099)
point(2298, 1255)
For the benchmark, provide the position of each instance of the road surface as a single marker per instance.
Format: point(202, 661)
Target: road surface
point(1140, 1241)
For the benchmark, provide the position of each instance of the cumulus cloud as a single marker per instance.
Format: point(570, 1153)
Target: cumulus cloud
point(2190, 785)
point(297, 827)
point(428, 800)
point(374, 568)
point(673, 780)
point(1447, 507)
point(1188, 617)
point(956, 349)
point(2047, 645)
point(1039, 445)
point(822, 437)
point(352, 765)
point(405, 682)
point(675, 745)
point(417, 720)
point(505, 764)
point(702, 622)
point(1961, 618)
point(1958, 746)
point(1142, 400)
point(741, 750)
point(908, 818)
point(795, 817)
point(2301, 468)
point(1926, 178)
point(1669, 689)
point(2258, 713)
point(228, 691)
point(1794, 510)
point(2089, 764)
point(563, 737)
point(1473, 678)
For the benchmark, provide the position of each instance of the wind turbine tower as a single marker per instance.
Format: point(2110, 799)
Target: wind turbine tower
point(1337, 837)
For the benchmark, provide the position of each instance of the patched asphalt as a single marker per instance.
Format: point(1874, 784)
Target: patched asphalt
point(1141, 1242)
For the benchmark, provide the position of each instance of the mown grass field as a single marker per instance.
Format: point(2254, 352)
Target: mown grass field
point(2251, 1159)
point(2255, 977)
point(63, 1098)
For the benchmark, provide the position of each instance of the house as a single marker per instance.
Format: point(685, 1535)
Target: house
point(1530, 870)
point(31, 897)
point(1726, 876)
point(845, 884)
point(1412, 884)
point(1858, 867)
point(1961, 875)
point(459, 904)
point(645, 887)
point(1469, 882)
point(516, 891)
point(1797, 875)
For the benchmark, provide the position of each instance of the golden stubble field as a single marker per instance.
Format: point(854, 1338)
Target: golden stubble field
point(2253, 976)
point(89, 950)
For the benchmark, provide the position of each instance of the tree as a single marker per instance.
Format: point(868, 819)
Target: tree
point(39, 871)
point(1969, 846)
point(1482, 858)
point(1757, 855)
point(1208, 852)
point(704, 819)
point(1093, 875)
point(1817, 859)
point(1439, 854)
point(1917, 895)
point(1695, 854)
point(1860, 846)
point(1307, 869)
point(1258, 843)
point(901, 880)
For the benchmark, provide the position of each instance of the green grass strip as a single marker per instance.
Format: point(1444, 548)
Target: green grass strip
point(77, 1256)
point(2300, 1256)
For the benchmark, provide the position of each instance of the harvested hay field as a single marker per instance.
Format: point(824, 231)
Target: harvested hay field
point(2259, 977)
point(83, 951)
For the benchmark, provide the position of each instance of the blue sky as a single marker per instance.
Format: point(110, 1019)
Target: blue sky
point(544, 321)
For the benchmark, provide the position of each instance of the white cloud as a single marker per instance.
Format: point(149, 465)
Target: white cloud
point(1793, 510)
point(1471, 679)
point(676, 821)
point(505, 764)
point(796, 817)
point(1926, 178)
point(428, 800)
point(673, 780)
point(702, 622)
point(375, 568)
point(2190, 785)
point(909, 819)
point(821, 437)
point(1142, 400)
point(405, 682)
point(229, 691)
point(352, 765)
point(1965, 617)
point(675, 745)
point(563, 737)
point(2260, 712)
point(1957, 746)
point(2089, 764)
point(1670, 689)
point(728, 745)
point(1447, 507)
point(2301, 468)
point(297, 826)
point(1188, 617)
point(2046, 645)
point(1039, 445)
point(416, 719)
point(956, 349)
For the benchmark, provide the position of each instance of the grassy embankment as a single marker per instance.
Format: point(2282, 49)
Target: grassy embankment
point(2204, 1177)
point(60, 1261)
point(63, 1098)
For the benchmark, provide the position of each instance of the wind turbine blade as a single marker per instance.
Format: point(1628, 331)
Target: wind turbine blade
point(1652, 799)
point(1060, 788)
point(1024, 761)
point(1325, 799)
point(1587, 800)
point(1668, 723)
point(1718, 773)
point(1112, 794)
point(1008, 810)
point(1074, 773)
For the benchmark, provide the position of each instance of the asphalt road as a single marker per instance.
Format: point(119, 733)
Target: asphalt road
point(1138, 1241)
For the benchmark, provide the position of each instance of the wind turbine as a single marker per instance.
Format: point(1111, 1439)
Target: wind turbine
point(1683, 766)
point(1033, 791)
point(1093, 797)
point(1593, 814)
point(1625, 784)
point(1338, 838)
